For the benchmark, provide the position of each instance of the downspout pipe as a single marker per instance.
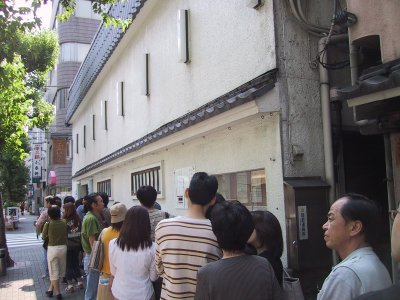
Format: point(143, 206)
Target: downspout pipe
point(326, 112)
point(326, 119)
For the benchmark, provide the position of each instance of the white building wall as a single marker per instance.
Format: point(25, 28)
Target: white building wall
point(249, 144)
point(230, 45)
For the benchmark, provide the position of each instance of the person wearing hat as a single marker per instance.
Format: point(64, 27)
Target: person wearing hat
point(118, 212)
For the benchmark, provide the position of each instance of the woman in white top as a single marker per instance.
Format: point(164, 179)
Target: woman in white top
point(132, 256)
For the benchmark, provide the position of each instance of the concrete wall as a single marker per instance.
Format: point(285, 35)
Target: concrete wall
point(299, 88)
point(230, 44)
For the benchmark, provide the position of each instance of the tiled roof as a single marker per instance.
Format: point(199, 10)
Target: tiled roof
point(375, 79)
point(240, 95)
point(103, 45)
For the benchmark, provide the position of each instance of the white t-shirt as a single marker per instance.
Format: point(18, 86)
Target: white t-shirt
point(133, 272)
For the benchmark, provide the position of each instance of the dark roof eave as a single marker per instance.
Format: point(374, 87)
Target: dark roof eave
point(241, 95)
point(375, 79)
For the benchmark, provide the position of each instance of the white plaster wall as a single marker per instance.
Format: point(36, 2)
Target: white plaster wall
point(251, 144)
point(230, 44)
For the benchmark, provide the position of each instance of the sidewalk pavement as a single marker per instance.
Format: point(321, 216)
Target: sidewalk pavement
point(24, 281)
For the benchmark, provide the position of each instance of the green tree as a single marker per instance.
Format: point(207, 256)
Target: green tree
point(25, 59)
point(23, 72)
point(14, 176)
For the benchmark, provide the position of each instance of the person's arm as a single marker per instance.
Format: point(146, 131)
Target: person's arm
point(41, 220)
point(202, 286)
point(92, 231)
point(45, 232)
point(153, 270)
point(92, 239)
point(158, 258)
point(111, 249)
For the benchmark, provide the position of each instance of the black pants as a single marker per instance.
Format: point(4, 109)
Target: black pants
point(157, 288)
point(73, 271)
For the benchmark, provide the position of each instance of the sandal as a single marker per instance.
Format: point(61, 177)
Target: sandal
point(69, 289)
point(80, 285)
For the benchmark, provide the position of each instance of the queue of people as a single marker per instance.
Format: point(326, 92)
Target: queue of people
point(219, 250)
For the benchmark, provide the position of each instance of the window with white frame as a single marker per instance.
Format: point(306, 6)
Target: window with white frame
point(104, 186)
point(73, 52)
point(151, 176)
point(248, 187)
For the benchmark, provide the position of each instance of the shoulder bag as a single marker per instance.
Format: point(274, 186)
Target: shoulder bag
point(291, 287)
point(97, 255)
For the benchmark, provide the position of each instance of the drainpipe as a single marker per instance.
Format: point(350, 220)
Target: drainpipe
point(326, 113)
point(326, 119)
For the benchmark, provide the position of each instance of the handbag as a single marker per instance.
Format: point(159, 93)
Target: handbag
point(97, 255)
point(291, 287)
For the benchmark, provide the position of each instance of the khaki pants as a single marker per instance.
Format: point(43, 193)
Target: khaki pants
point(104, 290)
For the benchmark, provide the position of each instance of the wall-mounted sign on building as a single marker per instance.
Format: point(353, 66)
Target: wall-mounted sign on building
point(37, 163)
point(59, 152)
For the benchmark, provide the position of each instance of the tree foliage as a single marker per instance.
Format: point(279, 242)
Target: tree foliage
point(14, 177)
point(26, 56)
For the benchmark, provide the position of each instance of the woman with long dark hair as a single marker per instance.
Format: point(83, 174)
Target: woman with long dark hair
point(73, 246)
point(132, 256)
point(267, 240)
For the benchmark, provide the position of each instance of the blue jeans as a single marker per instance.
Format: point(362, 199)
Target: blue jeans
point(92, 280)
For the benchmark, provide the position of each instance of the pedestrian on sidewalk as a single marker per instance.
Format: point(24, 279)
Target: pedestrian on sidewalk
point(192, 236)
point(118, 213)
point(91, 228)
point(132, 258)
point(55, 232)
point(351, 230)
point(39, 224)
point(268, 241)
point(73, 247)
point(236, 276)
point(147, 195)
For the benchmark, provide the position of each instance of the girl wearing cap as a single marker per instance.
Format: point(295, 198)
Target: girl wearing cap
point(132, 258)
point(118, 212)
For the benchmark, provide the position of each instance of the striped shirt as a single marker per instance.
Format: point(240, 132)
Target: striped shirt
point(183, 245)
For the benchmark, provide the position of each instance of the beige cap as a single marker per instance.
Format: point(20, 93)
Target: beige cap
point(118, 212)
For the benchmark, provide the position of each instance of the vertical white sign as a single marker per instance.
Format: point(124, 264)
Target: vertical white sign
point(182, 180)
point(302, 221)
point(37, 163)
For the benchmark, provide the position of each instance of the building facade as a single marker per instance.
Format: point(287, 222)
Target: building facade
point(249, 91)
point(75, 37)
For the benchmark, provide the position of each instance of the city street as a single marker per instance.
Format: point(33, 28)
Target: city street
point(24, 280)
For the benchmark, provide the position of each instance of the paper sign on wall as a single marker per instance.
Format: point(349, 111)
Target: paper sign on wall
point(302, 221)
point(182, 180)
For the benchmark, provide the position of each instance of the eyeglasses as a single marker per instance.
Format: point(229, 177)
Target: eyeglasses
point(393, 213)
